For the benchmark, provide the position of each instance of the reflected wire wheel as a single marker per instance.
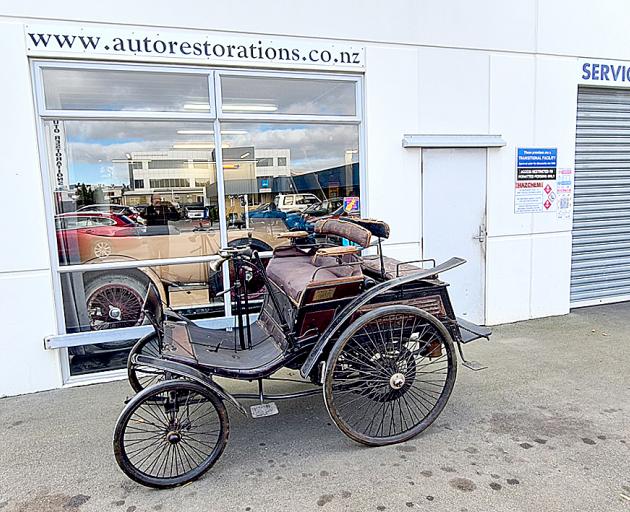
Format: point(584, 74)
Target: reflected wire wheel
point(389, 375)
point(170, 434)
point(141, 377)
point(115, 301)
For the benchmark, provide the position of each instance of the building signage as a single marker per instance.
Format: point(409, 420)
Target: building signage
point(564, 189)
point(143, 44)
point(351, 204)
point(535, 187)
point(58, 162)
point(536, 164)
point(608, 72)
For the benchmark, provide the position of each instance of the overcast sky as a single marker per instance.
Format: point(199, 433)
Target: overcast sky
point(94, 145)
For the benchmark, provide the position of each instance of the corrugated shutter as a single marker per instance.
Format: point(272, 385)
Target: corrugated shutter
point(600, 263)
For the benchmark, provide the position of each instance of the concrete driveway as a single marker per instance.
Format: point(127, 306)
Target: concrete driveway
point(544, 428)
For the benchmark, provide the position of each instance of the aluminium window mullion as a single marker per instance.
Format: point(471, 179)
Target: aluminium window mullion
point(288, 118)
point(218, 159)
point(123, 115)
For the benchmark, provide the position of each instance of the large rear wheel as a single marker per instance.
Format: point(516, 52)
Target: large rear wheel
point(389, 375)
point(170, 434)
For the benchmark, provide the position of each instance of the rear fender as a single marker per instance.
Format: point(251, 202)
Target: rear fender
point(346, 313)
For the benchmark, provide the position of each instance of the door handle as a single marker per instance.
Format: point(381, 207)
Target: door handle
point(481, 236)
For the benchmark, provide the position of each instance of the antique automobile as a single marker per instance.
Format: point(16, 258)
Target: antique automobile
point(117, 298)
point(376, 336)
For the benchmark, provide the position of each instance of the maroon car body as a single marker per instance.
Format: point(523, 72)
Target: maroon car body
point(70, 226)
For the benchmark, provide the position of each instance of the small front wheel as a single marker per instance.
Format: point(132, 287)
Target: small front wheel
point(389, 375)
point(141, 377)
point(170, 434)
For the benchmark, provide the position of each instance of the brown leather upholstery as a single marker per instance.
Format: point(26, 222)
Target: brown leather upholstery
point(348, 230)
point(378, 228)
point(393, 267)
point(293, 271)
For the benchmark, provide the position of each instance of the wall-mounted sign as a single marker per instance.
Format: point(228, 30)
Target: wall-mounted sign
point(351, 204)
point(564, 189)
point(142, 44)
point(58, 161)
point(608, 72)
point(265, 187)
point(535, 186)
point(536, 164)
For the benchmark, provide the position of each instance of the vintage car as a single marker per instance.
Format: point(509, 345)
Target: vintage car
point(117, 298)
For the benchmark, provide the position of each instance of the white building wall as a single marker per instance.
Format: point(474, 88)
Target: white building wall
point(491, 67)
point(25, 277)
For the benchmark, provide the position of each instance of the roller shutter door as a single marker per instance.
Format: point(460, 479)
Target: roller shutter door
point(600, 262)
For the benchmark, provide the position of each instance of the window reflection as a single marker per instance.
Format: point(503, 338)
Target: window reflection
point(266, 95)
point(288, 175)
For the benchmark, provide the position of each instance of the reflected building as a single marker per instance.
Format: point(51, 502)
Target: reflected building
point(188, 177)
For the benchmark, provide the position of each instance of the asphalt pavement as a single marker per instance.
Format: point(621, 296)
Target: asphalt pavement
point(544, 428)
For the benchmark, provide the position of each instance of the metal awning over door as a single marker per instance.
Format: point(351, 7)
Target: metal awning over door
point(600, 262)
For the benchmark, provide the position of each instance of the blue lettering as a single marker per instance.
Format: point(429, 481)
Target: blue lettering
point(615, 70)
point(595, 73)
point(586, 68)
point(605, 68)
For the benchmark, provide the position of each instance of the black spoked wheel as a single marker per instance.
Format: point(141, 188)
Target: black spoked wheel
point(140, 376)
point(389, 375)
point(170, 434)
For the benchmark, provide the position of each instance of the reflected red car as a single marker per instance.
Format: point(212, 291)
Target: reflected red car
point(70, 226)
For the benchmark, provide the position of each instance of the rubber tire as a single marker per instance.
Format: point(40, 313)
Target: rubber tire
point(138, 285)
point(166, 483)
point(339, 346)
point(134, 382)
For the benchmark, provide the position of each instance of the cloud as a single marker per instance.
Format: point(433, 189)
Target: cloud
point(312, 147)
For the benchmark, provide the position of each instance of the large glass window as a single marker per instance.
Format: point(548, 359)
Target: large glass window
point(134, 184)
point(255, 94)
point(111, 90)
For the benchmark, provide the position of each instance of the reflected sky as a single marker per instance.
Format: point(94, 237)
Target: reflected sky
point(97, 150)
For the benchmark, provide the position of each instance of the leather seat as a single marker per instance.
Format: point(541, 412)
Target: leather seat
point(293, 271)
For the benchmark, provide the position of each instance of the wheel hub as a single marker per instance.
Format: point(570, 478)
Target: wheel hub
point(397, 381)
point(115, 313)
point(173, 437)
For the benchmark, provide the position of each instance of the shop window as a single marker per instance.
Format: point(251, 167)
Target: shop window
point(113, 90)
point(264, 95)
point(127, 190)
point(324, 170)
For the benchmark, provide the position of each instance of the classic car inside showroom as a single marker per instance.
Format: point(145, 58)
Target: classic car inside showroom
point(137, 143)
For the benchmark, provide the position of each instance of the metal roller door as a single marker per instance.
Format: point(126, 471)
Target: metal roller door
point(600, 262)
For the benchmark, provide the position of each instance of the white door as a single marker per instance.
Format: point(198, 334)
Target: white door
point(453, 219)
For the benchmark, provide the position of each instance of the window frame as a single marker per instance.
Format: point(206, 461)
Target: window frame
point(62, 340)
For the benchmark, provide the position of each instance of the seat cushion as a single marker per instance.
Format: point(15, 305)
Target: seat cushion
point(293, 274)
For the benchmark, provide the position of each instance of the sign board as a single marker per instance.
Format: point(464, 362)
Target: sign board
point(143, 44)
point(58, 160)
point(351, 204)
point(536, 164)
point(564, 189)
point(535, 186)
point(604, 72)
